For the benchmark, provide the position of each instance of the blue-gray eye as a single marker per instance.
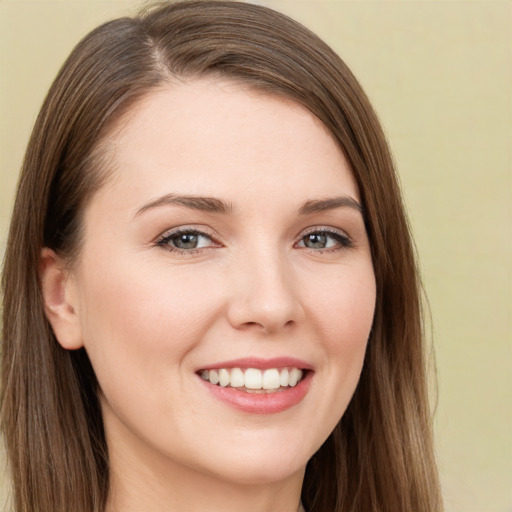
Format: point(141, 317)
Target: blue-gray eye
point(316, 241)
point(186, 240)
point(324, 240)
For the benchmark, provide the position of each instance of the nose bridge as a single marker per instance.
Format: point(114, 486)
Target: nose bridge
point(264, 295)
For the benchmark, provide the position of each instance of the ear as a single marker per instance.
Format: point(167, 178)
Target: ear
point(60, 300)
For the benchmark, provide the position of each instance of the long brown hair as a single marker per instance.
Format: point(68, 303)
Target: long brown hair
point(380, 456)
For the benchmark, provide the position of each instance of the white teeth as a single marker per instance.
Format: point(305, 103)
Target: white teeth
point(253, 379)
point(237, 378)
point(284, 377)
point(295, 375)
point(214, 376)
point(271, 379)
point(224, 377)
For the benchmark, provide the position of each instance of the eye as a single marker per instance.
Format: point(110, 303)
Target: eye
point(324, 239)
point(186, 240)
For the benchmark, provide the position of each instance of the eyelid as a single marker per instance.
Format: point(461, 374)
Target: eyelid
point(195, 228)
point(323, 229)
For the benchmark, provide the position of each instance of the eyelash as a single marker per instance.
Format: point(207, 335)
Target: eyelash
point(341, 239)
point(165, 240)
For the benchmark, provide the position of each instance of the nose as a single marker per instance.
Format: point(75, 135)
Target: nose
point(264, 294)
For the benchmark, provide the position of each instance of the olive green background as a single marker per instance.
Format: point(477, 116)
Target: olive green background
point(440, 76)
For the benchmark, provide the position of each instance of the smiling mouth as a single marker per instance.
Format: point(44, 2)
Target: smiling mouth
point(254, 380)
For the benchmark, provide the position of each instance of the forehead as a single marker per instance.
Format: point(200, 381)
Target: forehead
point(211, 137)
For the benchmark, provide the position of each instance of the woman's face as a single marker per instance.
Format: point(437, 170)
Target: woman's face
point(227, 244)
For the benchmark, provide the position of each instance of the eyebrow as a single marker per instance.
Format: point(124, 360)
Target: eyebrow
point(214, 205)
point(205, 204)
point(321, 205)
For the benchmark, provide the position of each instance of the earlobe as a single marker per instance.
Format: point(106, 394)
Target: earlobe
point(60, 300)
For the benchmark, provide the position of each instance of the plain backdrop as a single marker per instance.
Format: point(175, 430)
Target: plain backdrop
point(440, 76)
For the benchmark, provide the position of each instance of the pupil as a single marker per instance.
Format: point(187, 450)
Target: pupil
point(186, 241)
point(316, 241)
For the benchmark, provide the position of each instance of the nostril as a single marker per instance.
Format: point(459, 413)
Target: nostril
point(266, 327)
point(249, 325)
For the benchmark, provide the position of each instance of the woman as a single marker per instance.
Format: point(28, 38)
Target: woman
point(210, 294)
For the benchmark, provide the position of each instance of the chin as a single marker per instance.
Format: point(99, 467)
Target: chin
point(259, 466)
point(254, 473)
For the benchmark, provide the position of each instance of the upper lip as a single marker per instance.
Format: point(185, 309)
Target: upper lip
point(260, 363)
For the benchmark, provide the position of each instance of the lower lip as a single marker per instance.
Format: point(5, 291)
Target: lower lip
point(261, 403)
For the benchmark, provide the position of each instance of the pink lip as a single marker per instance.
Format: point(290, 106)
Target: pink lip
point(261, 403)
point(260, 364)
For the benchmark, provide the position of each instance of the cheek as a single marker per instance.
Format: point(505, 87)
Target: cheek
point(139, 315)
point(346, 320)
point(345, 312)
point(343, 319)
